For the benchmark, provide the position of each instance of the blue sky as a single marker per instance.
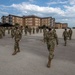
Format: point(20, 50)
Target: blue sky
point(62, 10)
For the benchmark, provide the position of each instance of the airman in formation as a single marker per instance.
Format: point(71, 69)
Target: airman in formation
point(65, 36)
point(51, 37)
point(70, 32)
point(17, 37)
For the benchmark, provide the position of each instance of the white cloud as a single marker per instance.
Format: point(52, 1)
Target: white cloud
point(72, 2)
point(3, 13)
point(37, 9)
point(57, 2)
point(65, 19)
point(49, 3)
point(70, 11)
point(64, 2)
point(31, 0)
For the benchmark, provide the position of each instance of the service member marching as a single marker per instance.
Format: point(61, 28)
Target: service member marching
point(44, 34)
point(51, 38)
point(65, 35)
point(70, 34)
point(12, 31)
point(17, 38)
point(1, 35)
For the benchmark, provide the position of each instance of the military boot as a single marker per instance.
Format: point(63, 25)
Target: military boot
point(18, 50)
point(49, 63)
point(14, 52)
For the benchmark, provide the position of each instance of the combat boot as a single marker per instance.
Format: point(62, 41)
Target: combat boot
point(14, 53)
point(18, 50)
point(49, 63)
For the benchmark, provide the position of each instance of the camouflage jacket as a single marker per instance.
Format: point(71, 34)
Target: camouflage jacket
point(17, 35)
point(51, 36)
point(70, 32)
point(65, 34)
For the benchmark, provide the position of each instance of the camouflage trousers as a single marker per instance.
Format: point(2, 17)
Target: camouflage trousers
point(40, 30)
point(1, 36)
point(70, 36)
point(25, 32)
point(33, 32)
point(3, 33)
point(16, 46)
point(12, 35)
point(30, 33)
point(8, 31)
point(51, 55)
point(65, 39)
point(51, 47)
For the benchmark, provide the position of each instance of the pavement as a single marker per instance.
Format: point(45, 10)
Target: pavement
point(32, 60)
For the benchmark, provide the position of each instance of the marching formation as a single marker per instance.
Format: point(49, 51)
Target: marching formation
point(50, 37)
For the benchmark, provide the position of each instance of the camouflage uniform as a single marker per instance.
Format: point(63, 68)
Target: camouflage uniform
point(44, 34)
point(12, 32)
point(65, 35)
point(70, 33)
point(21, 29)
point(33, 30)
point(1, 33)
point(51, 37)
point(54, 30)
point(40, 30)
point(8, 30)
point(30, 30)
point(25, 30)
point(17, 38)
point(37, 30)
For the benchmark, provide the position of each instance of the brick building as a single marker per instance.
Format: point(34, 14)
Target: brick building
point(12, 19)
point(61, 25)
point(33, 21)
point(30, 20)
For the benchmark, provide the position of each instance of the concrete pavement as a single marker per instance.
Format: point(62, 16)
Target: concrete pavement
point(32, 59)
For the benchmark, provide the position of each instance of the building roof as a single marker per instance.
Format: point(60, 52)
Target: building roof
point(31, 16)
point(64, 23)
point(45, 17)
point(15, 16)
point(57, 23)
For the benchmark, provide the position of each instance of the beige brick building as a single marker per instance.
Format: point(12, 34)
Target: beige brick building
point(12, 19)
point(61, 25)
point(64, 25)
point(5, 19)
point(32, 21)
point(46, 21)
